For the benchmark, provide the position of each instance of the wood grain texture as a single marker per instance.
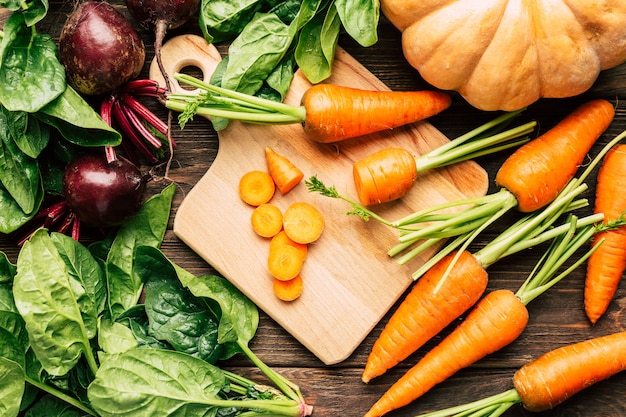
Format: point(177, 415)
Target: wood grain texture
point(349, 281)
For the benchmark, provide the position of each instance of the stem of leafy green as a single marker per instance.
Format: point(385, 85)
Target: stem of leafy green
point(290, 389)
point(61, 395)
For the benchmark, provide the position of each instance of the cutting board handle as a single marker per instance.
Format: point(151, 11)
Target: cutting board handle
point(182, 52)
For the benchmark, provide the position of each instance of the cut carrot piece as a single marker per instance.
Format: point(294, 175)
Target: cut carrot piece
point(256, 188)
point(384, 176)
point(284, 173)
point(281, 238)
point(288, 290)
point(285, 262)
point(267, 220)
point(303, 222)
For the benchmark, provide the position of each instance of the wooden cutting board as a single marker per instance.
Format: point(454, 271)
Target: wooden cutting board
point(349, 281)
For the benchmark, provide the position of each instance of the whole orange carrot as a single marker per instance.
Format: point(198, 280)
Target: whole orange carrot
point(426, 310)
point(536, 172)
point(474, 339)
point(335, 113)
point(554, 377)
point(557, 375)
point(606, 266)
point(496, 321)
point(329, 113)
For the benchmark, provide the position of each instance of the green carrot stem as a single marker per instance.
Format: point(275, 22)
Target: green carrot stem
point(456, 150)
point(499, 199)
point(487, 213)
point(490, 128)
point(504, 399)
point(222, 102)
point(561, 249)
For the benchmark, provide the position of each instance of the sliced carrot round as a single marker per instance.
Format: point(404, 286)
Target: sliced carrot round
point(267, 220)
point(281, 238)
point(288, 290)
point(256, 188)
point(303, 222)
point(285, 262)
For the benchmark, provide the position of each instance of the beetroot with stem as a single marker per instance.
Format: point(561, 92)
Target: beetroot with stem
point(99, 48)
point(160, 16)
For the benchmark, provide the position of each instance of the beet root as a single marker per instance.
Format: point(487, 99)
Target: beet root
point(101, 193)
point(100, 49)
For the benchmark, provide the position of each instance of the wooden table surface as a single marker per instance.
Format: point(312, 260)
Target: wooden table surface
point(556, 319)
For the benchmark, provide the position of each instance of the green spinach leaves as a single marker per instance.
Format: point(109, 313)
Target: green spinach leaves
point(71, 329)
point(270, 39)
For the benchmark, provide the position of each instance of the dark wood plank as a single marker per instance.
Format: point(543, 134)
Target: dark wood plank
point(556, 319)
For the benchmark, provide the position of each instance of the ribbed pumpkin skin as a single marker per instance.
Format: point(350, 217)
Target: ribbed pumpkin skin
point(506, 54)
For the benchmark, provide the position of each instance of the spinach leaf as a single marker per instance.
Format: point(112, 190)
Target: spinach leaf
point(360, 19)
point(147, 228)
point(257, 50)
point(20, 173)
point(77, 121)
point(12, 381)
point(30, 72)
point(85, 269)
point(12, 217)
point(239, 317)
point(315, 52)
point(51, 406)
point(178, 318)
point(7, 271)
point(221, 20)
point(33, 11)
point(136, 320)
point(47, 297)
point(155, 382)
point(114, 337)
point(30, 135)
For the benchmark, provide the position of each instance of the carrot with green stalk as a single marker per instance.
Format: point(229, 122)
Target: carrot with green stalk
point(606, 266)
point(552, 378)
point(390, 173)
point(331, 113)
point(497, 320)
point(455, 278)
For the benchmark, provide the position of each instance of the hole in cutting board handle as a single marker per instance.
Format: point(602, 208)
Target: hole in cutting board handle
point(194, 71)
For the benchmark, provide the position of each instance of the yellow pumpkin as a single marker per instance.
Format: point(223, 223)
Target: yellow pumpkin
point(506, 54)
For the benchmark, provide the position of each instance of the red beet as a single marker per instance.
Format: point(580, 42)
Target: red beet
point(102, 193)
point(100, 49)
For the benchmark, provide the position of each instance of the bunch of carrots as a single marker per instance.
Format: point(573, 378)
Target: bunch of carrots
point(290, 231)
point(457, 279)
